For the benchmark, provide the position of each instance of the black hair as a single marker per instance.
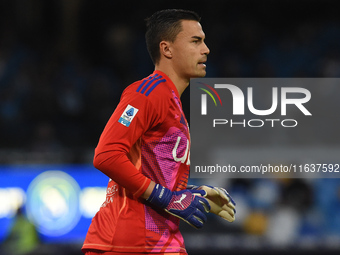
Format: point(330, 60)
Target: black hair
point(165, 25)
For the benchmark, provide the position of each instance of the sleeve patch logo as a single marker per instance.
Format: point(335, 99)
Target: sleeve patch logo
point(128, 115)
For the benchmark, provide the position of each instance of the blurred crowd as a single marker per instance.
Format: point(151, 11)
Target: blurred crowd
point(64, 65)
point(278, 214)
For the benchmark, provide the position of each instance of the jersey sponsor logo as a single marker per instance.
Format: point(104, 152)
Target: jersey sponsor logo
point(185, 157)
point(128, 115)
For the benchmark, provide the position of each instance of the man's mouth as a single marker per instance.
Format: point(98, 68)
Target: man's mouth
point(202, 63)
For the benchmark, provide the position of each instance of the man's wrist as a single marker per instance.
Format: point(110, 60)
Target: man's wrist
point(160, 196)
point(148, 190)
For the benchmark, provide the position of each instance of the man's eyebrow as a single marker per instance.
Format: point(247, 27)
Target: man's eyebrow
point(197, 37)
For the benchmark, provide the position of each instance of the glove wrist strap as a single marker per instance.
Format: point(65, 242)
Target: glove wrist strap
point(160, 196)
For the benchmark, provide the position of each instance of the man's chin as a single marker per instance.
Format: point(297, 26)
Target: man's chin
point(201, 74)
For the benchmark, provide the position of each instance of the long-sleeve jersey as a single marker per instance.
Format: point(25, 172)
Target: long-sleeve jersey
point(146, 138)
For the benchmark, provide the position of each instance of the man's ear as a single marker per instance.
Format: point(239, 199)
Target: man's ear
point(165, 50)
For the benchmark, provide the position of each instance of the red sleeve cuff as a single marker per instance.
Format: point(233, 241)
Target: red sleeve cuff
point(143, 188)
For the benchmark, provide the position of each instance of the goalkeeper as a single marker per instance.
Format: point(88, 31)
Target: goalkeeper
point(144, 150)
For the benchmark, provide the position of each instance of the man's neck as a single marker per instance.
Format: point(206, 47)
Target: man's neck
point(180, 83)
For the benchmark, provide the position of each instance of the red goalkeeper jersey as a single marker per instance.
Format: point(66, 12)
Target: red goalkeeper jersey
point(146, 138)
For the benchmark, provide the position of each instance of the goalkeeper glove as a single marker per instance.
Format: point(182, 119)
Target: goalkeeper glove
point(221, 203)
point(188, 205)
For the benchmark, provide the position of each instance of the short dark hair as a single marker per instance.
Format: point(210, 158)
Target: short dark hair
point(165, 25)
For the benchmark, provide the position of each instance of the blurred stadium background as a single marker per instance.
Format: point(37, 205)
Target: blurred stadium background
point(63, 66)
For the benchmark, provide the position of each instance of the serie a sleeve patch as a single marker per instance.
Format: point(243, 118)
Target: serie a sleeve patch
point(128, 115)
